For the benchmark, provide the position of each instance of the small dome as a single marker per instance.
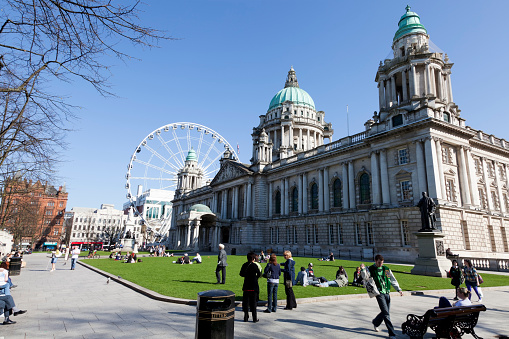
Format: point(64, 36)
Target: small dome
point(191, 156)
point(410, 23)
point(293, 94)
point(201, 208)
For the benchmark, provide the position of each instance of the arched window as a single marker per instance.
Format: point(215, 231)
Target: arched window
point(365, 192)
point(278, 202)
point(295, 199)
point(337, 193)
point(314, 197)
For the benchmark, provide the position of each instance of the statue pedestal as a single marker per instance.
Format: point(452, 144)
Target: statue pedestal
point(431, 260)
point(127, 242)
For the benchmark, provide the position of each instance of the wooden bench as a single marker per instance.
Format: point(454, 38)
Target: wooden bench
point(449, 322)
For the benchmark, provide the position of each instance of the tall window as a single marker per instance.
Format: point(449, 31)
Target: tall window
point(288, 235)
point(277, 201)
point(369, 234)
point(271, 235)
point(316, 234)
point(405, 233)
point(494, 198)
point(405, 189)
point(295, 200)
point(295, 235)
point(447, 117)
point(340, 234)
point(365, 193)
point(337, 193)
point(314, 197)
point(277, 235)
point(331, 234)
point(482, 198)
point(358, 233)
point(308, 235)
point(403, 156)
point(450, 190)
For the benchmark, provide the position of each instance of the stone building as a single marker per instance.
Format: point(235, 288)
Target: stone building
point(357, 194)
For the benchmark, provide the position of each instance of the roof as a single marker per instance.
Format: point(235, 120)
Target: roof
point(200, 208)
point(410, 23)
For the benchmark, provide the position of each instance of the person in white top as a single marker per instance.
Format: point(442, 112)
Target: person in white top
point(463, 294)
point(75, 254)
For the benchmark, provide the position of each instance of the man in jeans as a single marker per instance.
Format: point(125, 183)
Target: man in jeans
point(383, 279)
point(75, 254)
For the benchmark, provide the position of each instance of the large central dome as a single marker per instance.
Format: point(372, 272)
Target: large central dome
point(292, 93)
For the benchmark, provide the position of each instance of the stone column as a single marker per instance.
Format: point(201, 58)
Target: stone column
point(351, 185)
point(271, 189)
point(439, 83)
point(286, 200)
point(384, 177)
point(196, 238)
point(499, 187)
point(433, 182)
point(214, 202)
point(245, 200)
point(249, 196)
point(375, 178)
point(474, 194)
point(486, 184)
point(432, 80)
point(236, 202)
point(346, 203)
point(290, 136)
point(304, 193)
point(300, 145)
point(387, 94)
point(320, 190)
point(403, 84)
point(188, 235)
point(440, 175)
point(326, 195)
point(413, 89)
point(449, 87)
point(421, 167)
point(381, 96)
point(282, 133)
point(394, 98)
point(427, 79)
point(300, 195)
point(464, 184)
point(308, 141)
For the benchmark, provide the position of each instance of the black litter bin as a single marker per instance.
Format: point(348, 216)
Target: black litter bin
point(234, 251)
point(15, 266)
point(215, 314)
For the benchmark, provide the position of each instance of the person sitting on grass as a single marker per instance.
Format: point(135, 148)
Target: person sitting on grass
point(197, 258)
point(186, 259)
point(357, 278)
point(312, 280)
point(118, 256)
point(302, 278)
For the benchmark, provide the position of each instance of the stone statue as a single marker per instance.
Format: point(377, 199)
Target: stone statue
point(128, 235)
point(427, 207)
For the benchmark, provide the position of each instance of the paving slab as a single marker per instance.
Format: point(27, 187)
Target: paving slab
point(79, 304)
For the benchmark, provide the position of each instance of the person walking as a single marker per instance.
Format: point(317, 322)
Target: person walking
point(221, 265)
point(471, 279)
point(74, 257)
point(383, 279)
point(251, 273)
point(456, 277)
point(272, 272)
point(289, 279)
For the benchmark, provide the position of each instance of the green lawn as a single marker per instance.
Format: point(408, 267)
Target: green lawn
point(185, 281)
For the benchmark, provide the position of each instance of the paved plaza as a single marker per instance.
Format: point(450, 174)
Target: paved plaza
point(80, 304)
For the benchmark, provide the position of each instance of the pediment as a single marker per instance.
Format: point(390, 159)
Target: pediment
point(450, 172)
point(230, 170)
point(403, 172)
point(481, 182)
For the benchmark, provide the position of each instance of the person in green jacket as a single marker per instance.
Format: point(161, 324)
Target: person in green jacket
point(383, 279)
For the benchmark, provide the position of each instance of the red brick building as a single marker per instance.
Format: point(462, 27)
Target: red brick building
point(33, 213)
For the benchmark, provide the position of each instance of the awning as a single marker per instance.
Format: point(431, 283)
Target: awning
point(50, 244)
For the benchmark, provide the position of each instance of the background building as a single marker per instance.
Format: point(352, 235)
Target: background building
point(92, 227)
point(33, 212)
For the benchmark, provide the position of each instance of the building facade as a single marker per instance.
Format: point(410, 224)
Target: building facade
point(97, 227)
point(358, 193)
point(33, 212)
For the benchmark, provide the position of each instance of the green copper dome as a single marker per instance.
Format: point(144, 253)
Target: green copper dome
point(410, 23)
point(201, 208)
point(191, 156)
point(292, 93)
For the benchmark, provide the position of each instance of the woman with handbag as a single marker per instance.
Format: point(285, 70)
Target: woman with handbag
point(272, 272)
point(289, 278)
point(471, 279)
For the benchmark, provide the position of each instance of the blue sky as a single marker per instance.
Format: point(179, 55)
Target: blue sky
point(232, 56)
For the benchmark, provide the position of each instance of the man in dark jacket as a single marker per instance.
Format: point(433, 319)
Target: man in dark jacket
point(251, 273)
point(221, 265)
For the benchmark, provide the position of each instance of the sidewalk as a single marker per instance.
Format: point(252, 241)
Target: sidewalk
point(79, 304)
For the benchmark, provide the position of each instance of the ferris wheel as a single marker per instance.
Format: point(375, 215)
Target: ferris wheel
point(156, 161)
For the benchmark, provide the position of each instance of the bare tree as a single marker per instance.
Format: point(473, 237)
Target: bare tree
point(43, 41)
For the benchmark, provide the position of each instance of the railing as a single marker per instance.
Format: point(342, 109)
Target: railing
point(491, 139)
point(501, 265)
